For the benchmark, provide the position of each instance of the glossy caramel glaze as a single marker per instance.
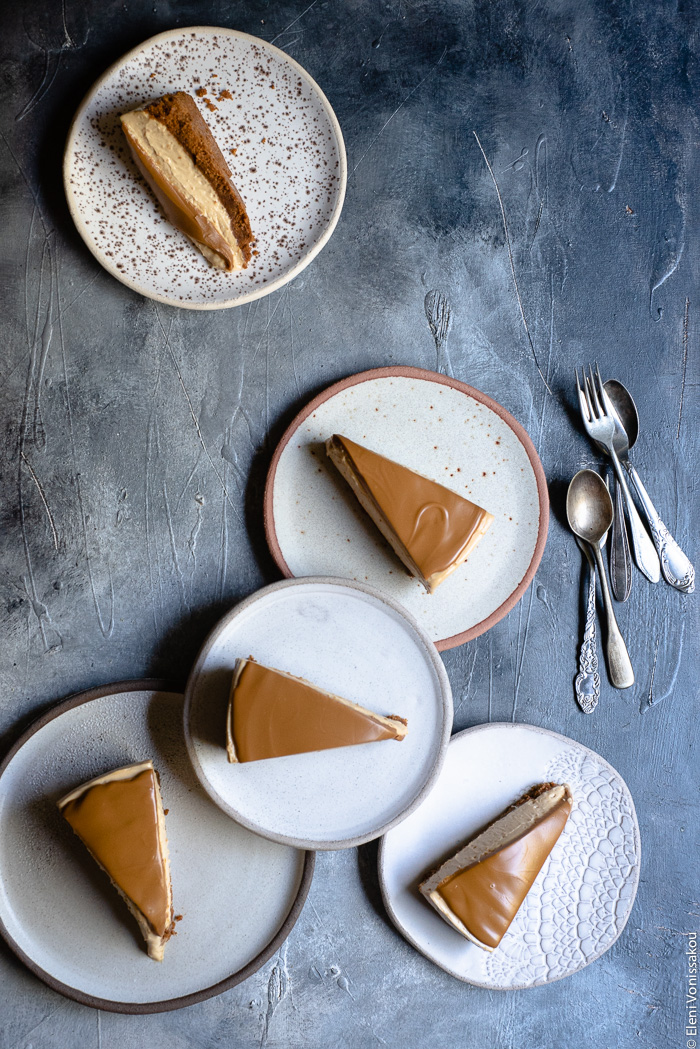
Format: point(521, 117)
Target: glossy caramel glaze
point(434, 524)
point(273, 714)
point(486, 896)
point(118, 822)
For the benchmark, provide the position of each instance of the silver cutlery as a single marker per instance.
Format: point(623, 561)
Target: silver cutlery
point(589, 511)
point(620, 560)
point(587, 682)
point(675, 566)
point(607, 431)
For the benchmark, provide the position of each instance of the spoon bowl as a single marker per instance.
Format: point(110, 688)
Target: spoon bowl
point(589, 508)
point(625, 407)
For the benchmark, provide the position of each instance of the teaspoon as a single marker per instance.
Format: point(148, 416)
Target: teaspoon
point(589, 511)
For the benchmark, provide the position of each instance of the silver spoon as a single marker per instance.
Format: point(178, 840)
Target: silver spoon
point(587, 681)
point(589, 511)
point(675, 566)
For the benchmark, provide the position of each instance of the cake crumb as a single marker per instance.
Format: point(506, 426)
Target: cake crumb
point(201, 92)
point(210, 105)
point(225, 94)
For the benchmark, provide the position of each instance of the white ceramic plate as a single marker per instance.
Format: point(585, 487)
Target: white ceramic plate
point(351, 641)
point(289, 166)
point(583, 895)
point(444, 429)
point(239, 895)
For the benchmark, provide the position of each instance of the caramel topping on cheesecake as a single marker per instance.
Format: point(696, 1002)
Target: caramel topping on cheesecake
point(480, 890)
point(178, 156)
point(119, 818)
point(431, 528)
point(272, 714)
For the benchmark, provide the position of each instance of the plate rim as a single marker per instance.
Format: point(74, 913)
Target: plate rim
point(407, 371)
point(168, 1004)
point(76, 215)
point(636, 872)
point(445, 693)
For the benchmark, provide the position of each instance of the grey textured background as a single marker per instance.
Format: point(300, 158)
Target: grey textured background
point(587, 111)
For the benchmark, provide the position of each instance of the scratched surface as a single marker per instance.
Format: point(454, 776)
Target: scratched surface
point(521, 199)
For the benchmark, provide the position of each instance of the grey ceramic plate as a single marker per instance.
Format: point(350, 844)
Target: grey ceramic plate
point(277, 131)
point(583, 895)
point(356, 643)
point(239, 894)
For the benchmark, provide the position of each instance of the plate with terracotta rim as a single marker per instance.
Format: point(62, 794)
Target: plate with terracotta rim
point(444, 429)
point(280, 138)
point(239, 895)
point(582, 897)
point(356, 643)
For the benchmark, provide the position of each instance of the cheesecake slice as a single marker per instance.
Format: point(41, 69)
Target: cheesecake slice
point(178, 156)
point(480, 890)
point(272, 714)
point(430, 528)
point(119, 818)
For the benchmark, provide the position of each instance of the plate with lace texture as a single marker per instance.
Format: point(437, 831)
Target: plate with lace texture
point(582, 897)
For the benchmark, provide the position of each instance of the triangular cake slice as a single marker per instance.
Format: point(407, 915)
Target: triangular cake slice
point(431, 528)
point(119, 818)
point(480, 890)
point(272, 714)
point(177, 155)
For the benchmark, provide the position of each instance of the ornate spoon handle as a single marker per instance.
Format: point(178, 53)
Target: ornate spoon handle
point(587, 683)
point(677, 569)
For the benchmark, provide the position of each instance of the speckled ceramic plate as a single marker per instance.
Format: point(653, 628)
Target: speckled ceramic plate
point(358, 644)
point(239, 894)
point(289, 166)
point(444, 429)
point(583, 895)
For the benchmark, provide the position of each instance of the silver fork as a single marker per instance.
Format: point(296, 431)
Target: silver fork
point(600, 424)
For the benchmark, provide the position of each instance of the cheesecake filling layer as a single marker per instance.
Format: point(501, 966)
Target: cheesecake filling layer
point(187, 197)
point(431, 528)
point(119, 819)
point(272, 714)
point(480, 889)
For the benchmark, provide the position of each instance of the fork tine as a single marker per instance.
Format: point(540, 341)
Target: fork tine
point(606, 402)
point(597, 406)
point(582, 402)
point(589, 398)
point(600, 388)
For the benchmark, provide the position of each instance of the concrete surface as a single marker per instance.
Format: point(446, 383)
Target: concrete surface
point(120, 550)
